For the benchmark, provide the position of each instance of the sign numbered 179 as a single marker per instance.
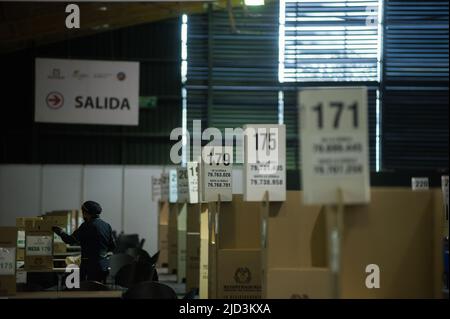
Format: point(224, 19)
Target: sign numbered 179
point(334, 145)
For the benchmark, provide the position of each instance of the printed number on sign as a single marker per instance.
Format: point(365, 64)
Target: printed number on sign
point(221, 159)
point(338, 108)
point(268, 140)
point(182, 174)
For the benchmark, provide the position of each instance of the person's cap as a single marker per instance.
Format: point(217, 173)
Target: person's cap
point(92, 208)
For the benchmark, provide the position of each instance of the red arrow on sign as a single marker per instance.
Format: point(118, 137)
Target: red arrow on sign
point(55, 100)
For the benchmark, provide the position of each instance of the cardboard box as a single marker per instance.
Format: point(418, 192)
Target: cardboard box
point(193, 218)
point(192, 261)
point(292, 236)
point(235, 246)
point(8, 244)
point(59, 219)
point(20, 224)
point(239, 276)
point(173, 238)
point(399, 230)
point(163, 233)
point(38, 246)
point(204, 250)
point(296, 283)
point(181, 243)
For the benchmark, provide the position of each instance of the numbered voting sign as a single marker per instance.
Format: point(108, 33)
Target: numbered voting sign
point(183, 186)
point(7, 261)
point(39, 245)
point(192, 174)
point(420, 183)
point(156, 188)
point(173, 189)
point(334, 145)
point(217, 173)
point(165, 186)
point(265, 162)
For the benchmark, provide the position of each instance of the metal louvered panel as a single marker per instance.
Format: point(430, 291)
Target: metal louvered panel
point(416, 41)
point(330, 40)
point(232, 76)
point(415, 97)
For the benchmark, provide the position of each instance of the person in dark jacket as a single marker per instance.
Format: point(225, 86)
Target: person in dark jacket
point(96, 239)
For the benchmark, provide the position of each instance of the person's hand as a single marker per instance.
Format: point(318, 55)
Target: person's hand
point(57, 230)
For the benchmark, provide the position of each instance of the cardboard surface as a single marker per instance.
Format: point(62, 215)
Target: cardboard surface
point(60, 219)
point(295, 234)
point(204, 250)
point(173, 238)
point(38, 231)
point(192, 260)
point(239, 276)
point(193, 218)
point(21, 233)
point(8, 243)
point(398, 232)
point(163, 233)
point(163, 244)
point(296, 283)
point(181, 242)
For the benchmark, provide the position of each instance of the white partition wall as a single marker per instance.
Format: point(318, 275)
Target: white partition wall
point(104, 184)
point(20, 192)
point(61, 187)
point(140, 212)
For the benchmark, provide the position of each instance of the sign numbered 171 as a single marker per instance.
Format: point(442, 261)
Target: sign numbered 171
point(334, 145)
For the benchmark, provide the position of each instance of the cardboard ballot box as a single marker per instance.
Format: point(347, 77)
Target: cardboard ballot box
point(204, 253)
point(8, 243)
point(20, 224)
point(236, 252)
point(60, 219)
point(181, 242)
point(192, 246)
point(38, 245)
point(399, 231)
point(173, 238)
point(299, 283)
point(163, 233)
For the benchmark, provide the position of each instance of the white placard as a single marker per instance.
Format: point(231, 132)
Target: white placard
point(173, 190)
point(7, 261)
point(217, 173)
point(156, 188)
point(165, 186)
point(21, 276)
point(39, 245)
point(265, 162)
point(420, 183)
point(192, 171)
point(20, 239)
point(334, 145)
point(183, 184)
point(88, 92)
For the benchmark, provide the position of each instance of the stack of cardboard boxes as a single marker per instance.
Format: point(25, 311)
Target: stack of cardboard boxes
point(294, 250)
point(181, 242)
point(193, 246)
point(235, 250)
point(38, 245)
point(163, 234)
point(173, 238)
point(8, 245)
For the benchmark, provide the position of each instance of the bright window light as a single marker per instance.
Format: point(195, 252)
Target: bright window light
point(254, 2)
